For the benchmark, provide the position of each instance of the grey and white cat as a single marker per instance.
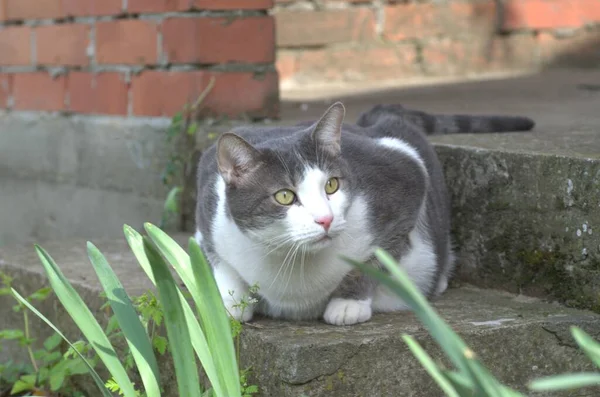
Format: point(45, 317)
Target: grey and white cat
point(278, 206)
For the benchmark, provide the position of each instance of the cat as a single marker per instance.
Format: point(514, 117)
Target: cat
point(277, 206)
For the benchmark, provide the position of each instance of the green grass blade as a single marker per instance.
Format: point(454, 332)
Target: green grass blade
point(566, 381)
point(588, 344)
point(430, 366)
point(83, 317)
point(129, 322)
point(199, 342)
point(178, 333)
point(401, 285)
point(175, 255)
point(214, 318)
point(460, 382)
point(447, 339)
point(91, 370)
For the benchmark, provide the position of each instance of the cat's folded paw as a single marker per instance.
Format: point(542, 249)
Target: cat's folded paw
point(242, 315)
point(347, 311)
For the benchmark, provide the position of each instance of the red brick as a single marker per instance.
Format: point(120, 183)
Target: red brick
point(550, 14)
point(304, 28)
point(62, 44)
point(5, 89)
point(161, 93)
point(15, 46)
point(77, 8)
point(231, 4)
point(127, 42)
point(192, 40)
point(157, 6)
point(103, 93)
point(39, 91)
point(286, 64)
point(576, 51)
point(452, 56)
point(357, 64)
point(33, 9)
point(406, 21)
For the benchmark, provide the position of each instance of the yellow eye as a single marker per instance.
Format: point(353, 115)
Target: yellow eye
point(332, 186)
point(285, 197)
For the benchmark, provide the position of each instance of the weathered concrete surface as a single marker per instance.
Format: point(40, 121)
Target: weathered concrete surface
point(527, 223)
point(63, 177)
point(518, 338)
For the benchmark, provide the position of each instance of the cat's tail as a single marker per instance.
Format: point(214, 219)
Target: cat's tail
point(436, 124)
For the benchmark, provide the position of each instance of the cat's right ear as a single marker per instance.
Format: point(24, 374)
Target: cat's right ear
point(236, 158)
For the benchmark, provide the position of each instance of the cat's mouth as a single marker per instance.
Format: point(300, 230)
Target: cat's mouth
point(320, 242)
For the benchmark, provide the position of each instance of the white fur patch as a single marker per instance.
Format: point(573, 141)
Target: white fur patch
point(404, 147)
point(420, 263)
point(198, 236)
point(233, 290)
point(347, 311)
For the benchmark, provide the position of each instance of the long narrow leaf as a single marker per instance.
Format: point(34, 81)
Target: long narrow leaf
point(128, 320)
point(441, 332)
point(199, 342)
point(566, 381)
point(216, 327)
point(174, 254)
point(214, 318)
point(447, 339)
point(178, 333)
point(430, 366)
point(83, 317)
point(590, 346)
point(91, 370)
point(439, 329)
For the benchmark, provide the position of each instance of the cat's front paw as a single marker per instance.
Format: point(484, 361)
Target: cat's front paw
point(347, 311)
point(241, 314)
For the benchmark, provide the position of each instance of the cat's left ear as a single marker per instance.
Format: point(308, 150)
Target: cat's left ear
point(328, 132)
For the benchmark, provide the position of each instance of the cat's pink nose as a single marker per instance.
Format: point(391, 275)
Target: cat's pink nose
point(324, 221)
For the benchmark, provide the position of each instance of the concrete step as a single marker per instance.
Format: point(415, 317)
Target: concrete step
point(517, 337)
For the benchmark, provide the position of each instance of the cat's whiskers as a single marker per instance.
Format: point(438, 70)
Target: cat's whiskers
point(291, 265)
point(302, 258)
point(283, 264)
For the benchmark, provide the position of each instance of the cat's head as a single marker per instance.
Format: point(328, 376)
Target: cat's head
point(295, 191)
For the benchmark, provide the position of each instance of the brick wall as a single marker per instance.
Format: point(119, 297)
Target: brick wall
point(354, 40)
point(138, 57)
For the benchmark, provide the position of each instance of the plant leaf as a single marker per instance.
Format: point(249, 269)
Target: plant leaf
point(41, 294)
point(172, 202)
point(91, 370)
point(430, 366)
point(177, 331)
point(199, 342)
point(83, 317)
point(52, 342)
point(10, 334)
point(590, 346)
point(23, 384)
point(566, 381)
point(214, 319)
point(132, 328)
